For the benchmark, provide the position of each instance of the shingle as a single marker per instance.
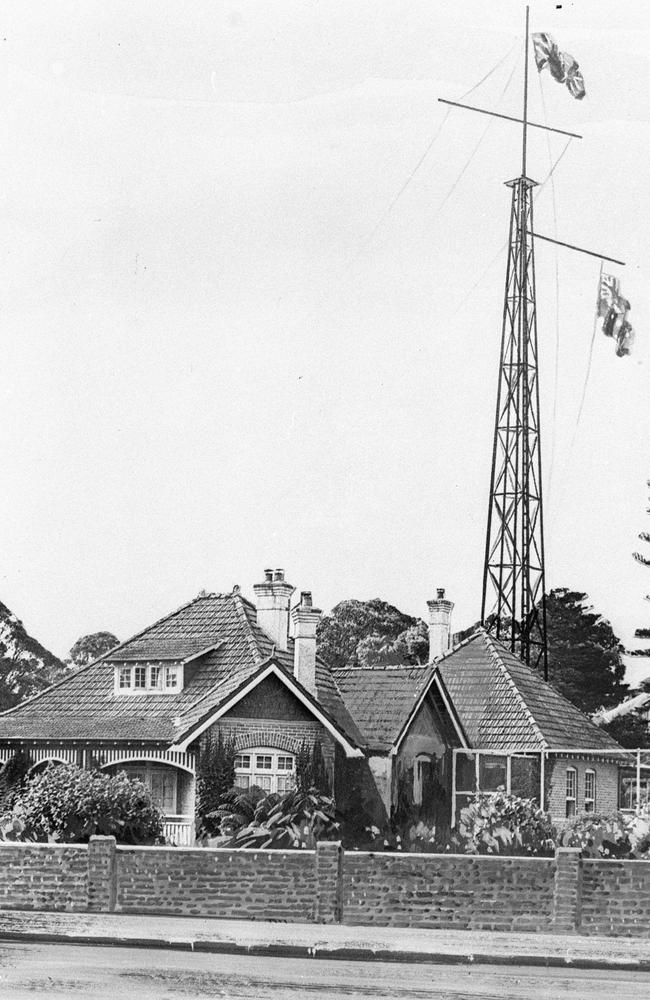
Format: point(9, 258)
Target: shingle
point(380, 699)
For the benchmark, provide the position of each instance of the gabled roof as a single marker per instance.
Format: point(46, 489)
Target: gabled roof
point(383, 699)
point(504, 704)
point(221, 627)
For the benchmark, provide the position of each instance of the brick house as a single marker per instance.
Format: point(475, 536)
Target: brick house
point(397, 741)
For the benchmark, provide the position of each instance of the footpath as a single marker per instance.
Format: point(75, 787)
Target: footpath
point(326, 941)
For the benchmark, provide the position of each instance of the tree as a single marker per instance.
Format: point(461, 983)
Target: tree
point(630, 730)
point(215, 777)
point(70, 805)
point(643, 560)
point(584, 654)
point(350, 622)
point(26, 667)
point(91, 647)
point(311, 771)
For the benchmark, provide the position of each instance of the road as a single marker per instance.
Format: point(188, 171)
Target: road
point(29, 971)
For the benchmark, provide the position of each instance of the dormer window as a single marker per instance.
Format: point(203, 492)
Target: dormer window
point(149, 678)
point(171, 677)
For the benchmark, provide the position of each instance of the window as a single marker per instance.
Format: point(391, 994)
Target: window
point(590, 791)
point(627, 789)
point(171, 677)
point(571, 785)
point(271, 770)
point(154, 677)
point(124, 677)
point(162, 782)
point(493, 773)
point(140, 677)
point(421, 765)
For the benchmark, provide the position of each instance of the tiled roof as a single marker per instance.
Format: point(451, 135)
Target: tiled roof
point(504, 704)
point(381, 699)
point(85, 706)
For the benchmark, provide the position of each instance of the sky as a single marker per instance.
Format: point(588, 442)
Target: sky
point(226, 346)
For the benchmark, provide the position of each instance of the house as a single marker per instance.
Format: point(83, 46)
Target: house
point(398, 741)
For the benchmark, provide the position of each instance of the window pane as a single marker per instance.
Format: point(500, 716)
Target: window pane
point(570, 783)
point(570, 808)
point(243, 760)
point(125, 677)
point(154, 677)
point(264, 761)
point(492, 773)
point(465, 773)
point(263, 781)
point(242, 781)
point(285, 783)
point(171, 677)
point(285, 763)
point(140, 677)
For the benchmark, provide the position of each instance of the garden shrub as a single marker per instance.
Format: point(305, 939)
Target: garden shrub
point(608, 835)
point(498, 823)
point(297, 819)
point(67, 804)
point(215, 778)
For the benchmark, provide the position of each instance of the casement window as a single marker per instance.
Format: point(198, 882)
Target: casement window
point(571, 790)
point(171, 678)
point(590, 790)
point(140, 677)
point(155, 676)
point(124, 677)
point(268, 769)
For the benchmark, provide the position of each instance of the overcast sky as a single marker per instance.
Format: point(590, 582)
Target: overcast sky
point(213, 357)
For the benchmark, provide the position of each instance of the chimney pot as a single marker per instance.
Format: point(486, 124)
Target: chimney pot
point(278, 575)
point(305, 598)
point(441, 593)
point(268, 573)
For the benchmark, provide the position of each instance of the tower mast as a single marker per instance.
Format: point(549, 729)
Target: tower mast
point(513, 600)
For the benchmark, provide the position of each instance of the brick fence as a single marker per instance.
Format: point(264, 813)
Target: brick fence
point(564, 893)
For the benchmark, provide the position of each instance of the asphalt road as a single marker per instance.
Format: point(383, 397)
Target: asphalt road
point(101, 973)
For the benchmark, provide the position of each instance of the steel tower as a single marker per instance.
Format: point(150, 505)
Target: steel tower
point(513, 603)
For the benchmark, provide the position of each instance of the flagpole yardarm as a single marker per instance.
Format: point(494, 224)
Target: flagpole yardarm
point(508, 118)
point(570, 246)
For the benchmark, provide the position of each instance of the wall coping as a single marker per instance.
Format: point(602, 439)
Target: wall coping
point(50, 845)
point(249, 851)
point(431, 854)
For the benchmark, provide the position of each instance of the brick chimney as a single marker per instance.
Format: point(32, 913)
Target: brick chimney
point(272, 600)
point(439, 625)
point(305, 619)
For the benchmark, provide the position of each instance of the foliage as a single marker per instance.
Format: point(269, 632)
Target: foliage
point(297, 819)
point(238, 808)
point(643, 560)
point(584, 655)
point(380, 649)
point(630, 730)
point(26, 667)
point(12, 778)
point(91, 647)
point(340, 632)
point(215, 777)
point(497, 823)
point(311, 772)
point(598, 835)
point(67, 804)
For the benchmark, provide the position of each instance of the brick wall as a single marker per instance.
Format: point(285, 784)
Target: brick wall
point(615, 898)
point(43, 877)
point(606, 786)
point(249, 885)
point(564, 893)
point(420, 890)
point(285, 735)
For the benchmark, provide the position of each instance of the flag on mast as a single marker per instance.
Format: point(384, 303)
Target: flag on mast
point(562, 66)
point(613, 308)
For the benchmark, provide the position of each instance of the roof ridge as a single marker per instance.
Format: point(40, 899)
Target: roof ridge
point(252, 642)
point(494, 654)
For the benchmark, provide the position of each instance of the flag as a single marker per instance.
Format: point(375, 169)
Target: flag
point(614, 309)
point(562, 66)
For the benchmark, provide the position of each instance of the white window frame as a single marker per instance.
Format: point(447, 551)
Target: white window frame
point(271, 777)
point(157, 676)
point(571, 787)
point(590, 800)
